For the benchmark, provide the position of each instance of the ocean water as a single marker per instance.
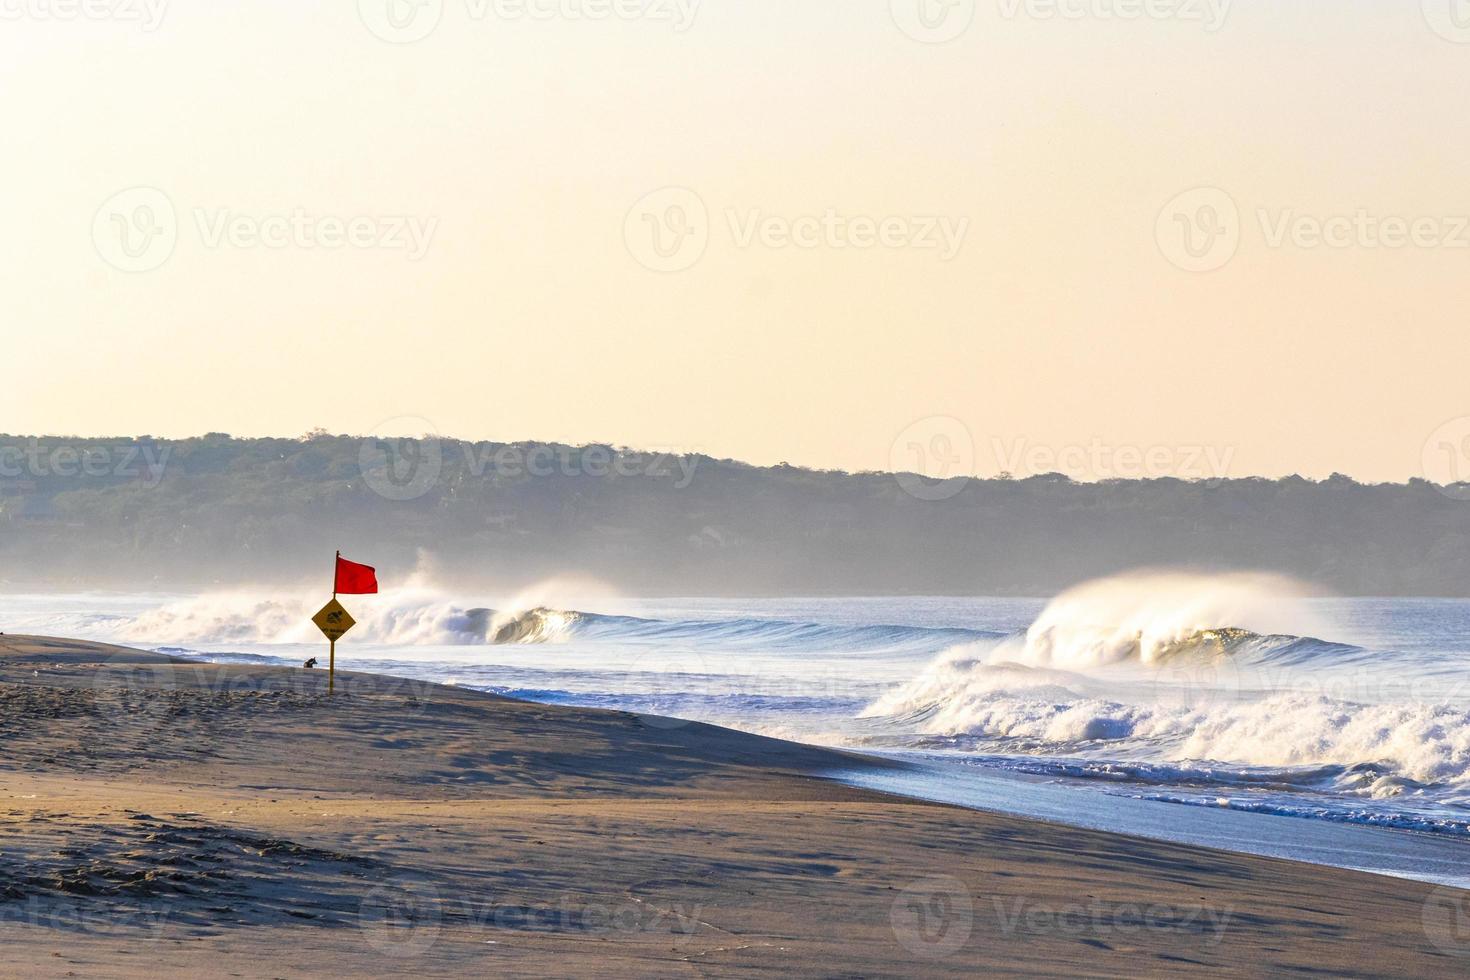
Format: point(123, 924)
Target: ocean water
point(1151, 703)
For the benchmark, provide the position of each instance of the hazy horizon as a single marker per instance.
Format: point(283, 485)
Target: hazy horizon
point(224, 510)
point(15, 461)
point(1169, 234)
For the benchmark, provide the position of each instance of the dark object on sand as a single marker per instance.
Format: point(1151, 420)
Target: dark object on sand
point(310, 664)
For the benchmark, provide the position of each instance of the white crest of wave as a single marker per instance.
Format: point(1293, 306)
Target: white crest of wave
point(1425, 742)
point(1057, 688)
point(1136, 617)
point(412, 617)
point(959, 679)
point(1145, 616)
point(412, 613)
point(541, 613)
point(1428, 743)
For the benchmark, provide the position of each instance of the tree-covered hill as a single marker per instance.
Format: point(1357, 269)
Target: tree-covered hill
point(136, 512)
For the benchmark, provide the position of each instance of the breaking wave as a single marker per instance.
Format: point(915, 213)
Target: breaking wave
point(1150, 617)
point(1167, 675)
point(426, 619)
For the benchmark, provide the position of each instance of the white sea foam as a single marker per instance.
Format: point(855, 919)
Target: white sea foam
point(1148, 616)
point(1185, 687)
point(1126, 642)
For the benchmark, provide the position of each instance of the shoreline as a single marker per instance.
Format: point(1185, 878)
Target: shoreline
point(169, 814)
point(1392, 852)
point(1351, 844)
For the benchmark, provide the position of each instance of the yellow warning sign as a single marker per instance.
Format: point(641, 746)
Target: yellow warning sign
point(333, 620)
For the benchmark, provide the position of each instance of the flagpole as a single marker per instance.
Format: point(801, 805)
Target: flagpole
point(331, 643)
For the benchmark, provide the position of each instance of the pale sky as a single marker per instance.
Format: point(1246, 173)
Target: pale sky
point(999, 272)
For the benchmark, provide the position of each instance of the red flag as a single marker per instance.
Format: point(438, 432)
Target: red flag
point(355, 579)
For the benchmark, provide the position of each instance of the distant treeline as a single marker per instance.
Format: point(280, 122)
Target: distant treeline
point(143, 512)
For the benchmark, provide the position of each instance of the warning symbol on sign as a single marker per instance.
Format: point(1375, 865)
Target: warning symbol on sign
point(333, 620)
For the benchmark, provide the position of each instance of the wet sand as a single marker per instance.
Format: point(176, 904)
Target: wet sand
point(159, 816)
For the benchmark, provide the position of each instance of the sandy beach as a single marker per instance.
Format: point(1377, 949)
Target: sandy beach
point(158, 815)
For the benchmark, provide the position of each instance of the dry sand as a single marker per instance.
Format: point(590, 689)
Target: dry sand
point(159, 817)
